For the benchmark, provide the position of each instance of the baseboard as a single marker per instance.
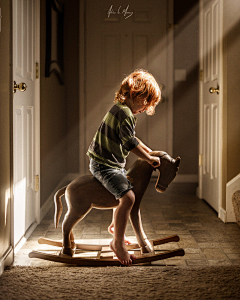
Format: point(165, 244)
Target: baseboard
point(6, 259)
point(222, 215)
point(25, 237)
point(198, 193)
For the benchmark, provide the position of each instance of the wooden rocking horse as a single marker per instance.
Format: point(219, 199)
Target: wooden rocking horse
point(86, 192)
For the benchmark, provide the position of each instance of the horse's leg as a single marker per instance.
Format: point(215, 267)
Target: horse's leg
point(70, 220)
point(136, 221)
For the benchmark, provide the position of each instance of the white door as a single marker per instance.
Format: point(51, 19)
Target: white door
point(210, 99)
point(23, 116)
point(119, 39)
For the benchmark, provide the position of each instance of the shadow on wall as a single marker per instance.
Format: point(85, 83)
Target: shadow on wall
point(186, 91)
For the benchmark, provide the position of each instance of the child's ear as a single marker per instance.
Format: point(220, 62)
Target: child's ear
point(136, 100)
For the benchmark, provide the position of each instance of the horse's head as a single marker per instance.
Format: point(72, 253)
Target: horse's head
point(167, 170)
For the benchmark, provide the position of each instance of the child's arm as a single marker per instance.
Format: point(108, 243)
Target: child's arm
point(146, 148)
point(140, 152)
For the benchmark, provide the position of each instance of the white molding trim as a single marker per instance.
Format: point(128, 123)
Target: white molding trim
point(231, 187)
point(222, 215)
point(25, 237)
point(6, 259)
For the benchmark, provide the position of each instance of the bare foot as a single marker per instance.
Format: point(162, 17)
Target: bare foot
point(111, 231)
point(121, 252)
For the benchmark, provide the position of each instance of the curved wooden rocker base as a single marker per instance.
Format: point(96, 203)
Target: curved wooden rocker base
point(91, 247)
point(104, 261)
point(100, 260)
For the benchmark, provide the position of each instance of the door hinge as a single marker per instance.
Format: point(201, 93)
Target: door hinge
point(200, 160)
point(36, 183)
point(37, 70)
point(201, 75)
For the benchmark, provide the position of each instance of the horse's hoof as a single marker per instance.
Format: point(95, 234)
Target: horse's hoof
point(148, 248)
point(66, 251)
point(73, 246)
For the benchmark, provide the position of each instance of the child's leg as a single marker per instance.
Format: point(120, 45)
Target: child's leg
point(121, 217)
point(111, 229)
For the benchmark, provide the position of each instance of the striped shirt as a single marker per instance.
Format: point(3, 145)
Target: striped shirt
point(115, 137)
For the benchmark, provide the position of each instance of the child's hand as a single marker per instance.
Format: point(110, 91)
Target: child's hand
point(154, 161)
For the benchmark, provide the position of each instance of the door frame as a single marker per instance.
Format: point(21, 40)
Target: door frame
point(37, 111)
point(221, 212)
point(83, 167)
point(36, 132)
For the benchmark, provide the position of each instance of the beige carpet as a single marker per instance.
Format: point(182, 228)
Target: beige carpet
point(138, 282)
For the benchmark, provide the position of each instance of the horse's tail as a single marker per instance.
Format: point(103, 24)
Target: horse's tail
point(58, 205)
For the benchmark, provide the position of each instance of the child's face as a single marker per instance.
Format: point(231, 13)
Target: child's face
point(137, 106)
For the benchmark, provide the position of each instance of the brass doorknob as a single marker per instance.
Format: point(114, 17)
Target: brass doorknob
point(21, 86)
point(213, 90)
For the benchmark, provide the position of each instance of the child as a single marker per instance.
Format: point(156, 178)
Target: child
point(111, 144)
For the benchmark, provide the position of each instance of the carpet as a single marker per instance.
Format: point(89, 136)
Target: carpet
point(136, 282)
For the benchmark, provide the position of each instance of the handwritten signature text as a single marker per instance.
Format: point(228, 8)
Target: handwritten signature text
point(127, 14)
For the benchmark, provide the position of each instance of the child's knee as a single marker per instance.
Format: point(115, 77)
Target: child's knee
point(129, 198)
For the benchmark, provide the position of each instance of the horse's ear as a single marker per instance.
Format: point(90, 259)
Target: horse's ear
point(177, 161)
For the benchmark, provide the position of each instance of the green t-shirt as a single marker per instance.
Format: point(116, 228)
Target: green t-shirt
point(115, 137)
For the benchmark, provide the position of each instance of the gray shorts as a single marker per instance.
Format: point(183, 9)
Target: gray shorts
point(114, 180)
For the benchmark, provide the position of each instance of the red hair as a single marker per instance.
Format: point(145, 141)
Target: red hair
point(140, 85)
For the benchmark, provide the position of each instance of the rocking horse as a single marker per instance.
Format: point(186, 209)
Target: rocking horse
point(86, 192)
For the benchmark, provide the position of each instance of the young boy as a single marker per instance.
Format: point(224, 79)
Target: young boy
point(112, 143)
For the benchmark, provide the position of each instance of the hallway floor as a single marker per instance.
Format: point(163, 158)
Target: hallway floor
point(204, 237)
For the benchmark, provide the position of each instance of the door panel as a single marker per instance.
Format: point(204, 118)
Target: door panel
point(210, 102)
point(115, 46)
point(23, 116)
